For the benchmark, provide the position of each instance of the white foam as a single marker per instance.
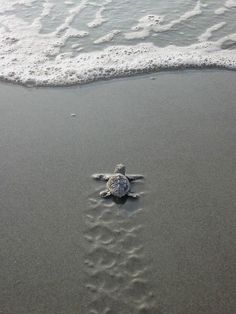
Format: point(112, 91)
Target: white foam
point(7, 5)
point(72, 32)
point(47, 8)
point(221, 10)
point(230, 3)
point(69, 2)
point(98, 20)
point(30, 56)
point(208, 33)
point(73, 13)
point(145, 25)
point(227, 5)
point(75, 46)
point(112, 62)
point(155, 23)
point(197, 10)
point(108, 37)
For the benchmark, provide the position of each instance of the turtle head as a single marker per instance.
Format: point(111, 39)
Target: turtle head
point(120, 168)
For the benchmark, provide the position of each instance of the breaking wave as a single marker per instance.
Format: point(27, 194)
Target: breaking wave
point(51, 43)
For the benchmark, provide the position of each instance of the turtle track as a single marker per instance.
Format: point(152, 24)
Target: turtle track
point(116, 272)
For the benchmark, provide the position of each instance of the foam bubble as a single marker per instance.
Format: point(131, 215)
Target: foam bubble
point(145, 25)
point(108, 37)
point(72, 32)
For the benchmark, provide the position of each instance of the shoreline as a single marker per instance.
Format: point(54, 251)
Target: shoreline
point(139, 74)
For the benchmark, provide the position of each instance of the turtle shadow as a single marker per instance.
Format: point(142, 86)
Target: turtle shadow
point(124, 199)
point(120, 200)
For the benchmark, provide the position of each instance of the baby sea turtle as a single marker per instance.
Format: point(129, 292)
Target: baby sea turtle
point(118, 183)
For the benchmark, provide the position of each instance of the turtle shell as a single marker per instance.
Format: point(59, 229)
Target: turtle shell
point(118, 185)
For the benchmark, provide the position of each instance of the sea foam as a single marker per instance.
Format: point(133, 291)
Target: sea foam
point(29, 55)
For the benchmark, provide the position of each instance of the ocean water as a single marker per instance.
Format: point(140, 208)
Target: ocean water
point(63, 42)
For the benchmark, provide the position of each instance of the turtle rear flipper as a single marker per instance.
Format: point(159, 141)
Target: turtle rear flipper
point(133, 177)
point(101, 176)
point(133, 195)
point(105, 193)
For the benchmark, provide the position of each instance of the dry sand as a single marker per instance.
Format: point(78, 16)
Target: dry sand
point(64, 251)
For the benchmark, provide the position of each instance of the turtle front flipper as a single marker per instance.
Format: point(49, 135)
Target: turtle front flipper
point(133, 195)
point(133, 177)
point(105, 193)
point(101, 176)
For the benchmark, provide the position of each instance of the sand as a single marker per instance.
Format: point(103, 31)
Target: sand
point(63, 250)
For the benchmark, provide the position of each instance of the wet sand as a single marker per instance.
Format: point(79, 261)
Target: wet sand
point(64, 250)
